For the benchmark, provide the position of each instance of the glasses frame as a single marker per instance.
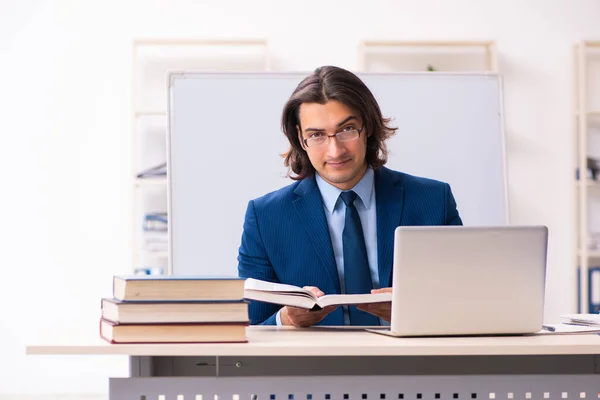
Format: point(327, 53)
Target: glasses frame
point(327, 137)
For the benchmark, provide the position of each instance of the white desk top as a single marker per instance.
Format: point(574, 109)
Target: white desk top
point(289, 341)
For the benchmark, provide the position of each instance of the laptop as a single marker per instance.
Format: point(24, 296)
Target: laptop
point(457, 280)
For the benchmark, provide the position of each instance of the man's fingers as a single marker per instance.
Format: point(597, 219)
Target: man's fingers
point(382, 290)
point(298, 310)
point(318, 292)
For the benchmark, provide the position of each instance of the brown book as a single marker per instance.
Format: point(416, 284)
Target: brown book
point(172, 333)
point(175, 287)
point(149, 312)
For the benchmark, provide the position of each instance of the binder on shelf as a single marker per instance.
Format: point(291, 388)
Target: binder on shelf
point(149, 271)
point(158, 216)
point(156, 221)
point(593, 300)
point(158, 170)
point(594, 290)
point(593, 167)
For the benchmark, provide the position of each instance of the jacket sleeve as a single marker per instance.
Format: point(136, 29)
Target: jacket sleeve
point(253, 262)
point(452, 217)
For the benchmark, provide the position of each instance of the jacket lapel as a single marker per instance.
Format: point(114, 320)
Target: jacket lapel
point(389, 195)
point(309, 206)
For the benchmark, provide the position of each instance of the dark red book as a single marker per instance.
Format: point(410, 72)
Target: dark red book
point(172, 333)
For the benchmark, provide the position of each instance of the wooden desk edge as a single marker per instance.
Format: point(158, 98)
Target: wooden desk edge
point(273, 341)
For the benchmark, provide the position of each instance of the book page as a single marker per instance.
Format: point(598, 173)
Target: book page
point(283, 294)
point(264, 286)
point(345, 299)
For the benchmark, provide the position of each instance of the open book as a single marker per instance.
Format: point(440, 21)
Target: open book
point(289, 295)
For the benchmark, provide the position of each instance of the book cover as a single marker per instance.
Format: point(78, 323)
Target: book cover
point(120, 312)
point(173, 333)
point(176, 288)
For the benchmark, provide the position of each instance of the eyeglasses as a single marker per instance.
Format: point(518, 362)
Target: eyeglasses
point(321, 138)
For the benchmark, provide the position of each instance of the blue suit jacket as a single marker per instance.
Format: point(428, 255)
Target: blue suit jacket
point(286, 236)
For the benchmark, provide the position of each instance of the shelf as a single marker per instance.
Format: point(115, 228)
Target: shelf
point(590, 253)
point(157, 254)
point(457, 56)
point(152, 59)
point(590, 44)
point(586, 116)
point(154, 254)
point(589, 113)
point(397, 43)
point(150, 113)
point(590, 184)
point(150, 182)
point(195, 42)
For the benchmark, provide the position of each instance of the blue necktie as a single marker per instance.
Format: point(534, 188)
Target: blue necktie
point(357, 274)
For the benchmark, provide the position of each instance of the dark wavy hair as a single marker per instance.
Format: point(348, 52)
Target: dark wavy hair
point(334, 83)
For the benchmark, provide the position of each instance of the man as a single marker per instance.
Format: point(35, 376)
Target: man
point(332, 231)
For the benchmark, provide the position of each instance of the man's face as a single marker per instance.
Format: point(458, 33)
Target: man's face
point(342, 164)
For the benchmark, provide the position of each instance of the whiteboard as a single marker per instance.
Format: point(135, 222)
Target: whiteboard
point(225, 140)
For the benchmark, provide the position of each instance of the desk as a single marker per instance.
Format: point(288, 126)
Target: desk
point(348, 364)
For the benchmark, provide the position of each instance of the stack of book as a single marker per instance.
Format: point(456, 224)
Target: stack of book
point(174, 309)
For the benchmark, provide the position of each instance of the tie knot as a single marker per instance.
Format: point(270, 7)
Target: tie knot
point(348, 197)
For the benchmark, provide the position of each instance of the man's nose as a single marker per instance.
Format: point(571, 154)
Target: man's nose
point(335, 148)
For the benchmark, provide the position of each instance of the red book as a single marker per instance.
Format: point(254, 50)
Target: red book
point(172, 333)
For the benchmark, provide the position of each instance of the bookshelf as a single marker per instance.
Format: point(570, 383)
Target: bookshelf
point(150, 182)
point(448, 56)
point(152, 60)
point(586, 128)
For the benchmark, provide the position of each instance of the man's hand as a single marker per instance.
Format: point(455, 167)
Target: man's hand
point(301, 317)
point(381, 310)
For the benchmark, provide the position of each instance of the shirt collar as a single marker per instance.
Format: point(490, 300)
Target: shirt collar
point(331, 194)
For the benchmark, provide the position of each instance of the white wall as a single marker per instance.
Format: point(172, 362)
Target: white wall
point(65, 137)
